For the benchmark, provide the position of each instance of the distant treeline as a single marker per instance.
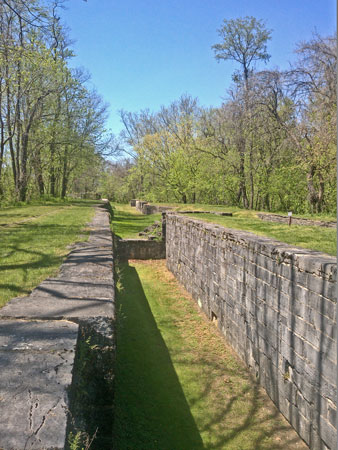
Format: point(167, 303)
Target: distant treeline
point(271, 145)
point(51, 126)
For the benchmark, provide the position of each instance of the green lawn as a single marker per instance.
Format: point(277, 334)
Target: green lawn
point(314, 238)
point(178, 385)
point(128, 221)
point(34, 240)
point(234, 209)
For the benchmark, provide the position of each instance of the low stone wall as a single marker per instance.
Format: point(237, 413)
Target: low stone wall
point(146, 208)
point(296, 221)
point(216, 213)
point(276, 306)
point(139, 249)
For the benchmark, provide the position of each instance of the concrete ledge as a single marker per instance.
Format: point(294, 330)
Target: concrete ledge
point(139, 249)
point(146, 208)
point(36, 360)
point(60, 340)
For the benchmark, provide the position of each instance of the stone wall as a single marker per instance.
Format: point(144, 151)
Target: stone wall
point(146, 208)
point(139, 249)
point(296, 221)
point(276, 306)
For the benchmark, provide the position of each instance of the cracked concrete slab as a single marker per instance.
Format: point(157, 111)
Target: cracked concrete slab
point(38, 338)
point(84, 287)
point(36, 360)
point(70, 298)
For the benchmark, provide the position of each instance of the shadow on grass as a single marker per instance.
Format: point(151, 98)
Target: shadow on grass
point(26, 252)
point(151, 411)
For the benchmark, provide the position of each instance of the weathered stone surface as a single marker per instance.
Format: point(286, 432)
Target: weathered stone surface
point(296, 221)
point(217, 213)
point(146, 208)
point(276, 305)
point(37, 356)
point(140, 249)
point(72, 298)
point(91, 406)
point(36, 360)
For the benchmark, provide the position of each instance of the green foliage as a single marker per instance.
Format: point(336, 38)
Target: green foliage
point(128, 222)
point(268, 147)
point(52, 127)
point(75, 441)
point(244, 41)
point(79, 441)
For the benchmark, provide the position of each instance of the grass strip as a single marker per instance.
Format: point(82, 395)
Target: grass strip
point(314, 238)
point(245, 212)
point(128, 221)
point(34, 249)
point(178, 385)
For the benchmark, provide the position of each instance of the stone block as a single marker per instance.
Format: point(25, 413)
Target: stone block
point(140, 249)
point(59, 298)
point(36, 359)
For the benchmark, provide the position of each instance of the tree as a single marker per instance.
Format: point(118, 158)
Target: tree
point(244, 41)
point(311, 89)
point(51, 126)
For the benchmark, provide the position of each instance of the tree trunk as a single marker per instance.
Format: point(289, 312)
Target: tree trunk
point(321, 193)
point(312, 193)
point(52, 148)
point(64, 184)
point(38, 172)
point(23, 176)
point(242, 185)
point(10, 131)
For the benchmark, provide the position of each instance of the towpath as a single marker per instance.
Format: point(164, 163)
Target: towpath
point(39, 337)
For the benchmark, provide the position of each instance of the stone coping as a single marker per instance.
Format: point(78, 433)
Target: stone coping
point(305, 260)
point(39, 335)
point(296, 220)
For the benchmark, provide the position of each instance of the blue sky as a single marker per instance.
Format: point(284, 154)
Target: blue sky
point(147, 53)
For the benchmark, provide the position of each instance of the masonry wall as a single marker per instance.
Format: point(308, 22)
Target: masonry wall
point(146, 208)
point(139, 249)
point(276, 306)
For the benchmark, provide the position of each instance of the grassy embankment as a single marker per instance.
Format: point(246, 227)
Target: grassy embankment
point(34, 240)
point(128, 221)
point(178, 385)
point(317, 238)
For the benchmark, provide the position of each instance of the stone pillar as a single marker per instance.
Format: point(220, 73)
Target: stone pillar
point(164, 225)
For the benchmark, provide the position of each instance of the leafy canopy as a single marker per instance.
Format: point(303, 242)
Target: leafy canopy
point(244, 41)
